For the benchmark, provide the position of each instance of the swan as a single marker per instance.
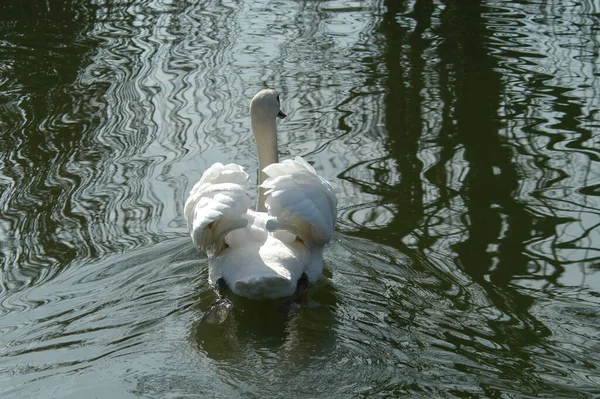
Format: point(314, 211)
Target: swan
point(273, 251)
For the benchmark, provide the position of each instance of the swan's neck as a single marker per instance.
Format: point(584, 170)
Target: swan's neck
point(265, 133)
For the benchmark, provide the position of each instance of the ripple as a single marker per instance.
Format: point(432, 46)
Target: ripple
point(39, 138)
point(459, 138)
point(111, 306)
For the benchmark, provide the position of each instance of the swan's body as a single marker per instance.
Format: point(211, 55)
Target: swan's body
point(263, 254)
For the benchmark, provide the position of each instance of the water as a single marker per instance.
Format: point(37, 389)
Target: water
point(462, 142)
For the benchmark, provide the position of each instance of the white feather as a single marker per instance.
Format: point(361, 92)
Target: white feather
point(217, 205)
point(302, 202)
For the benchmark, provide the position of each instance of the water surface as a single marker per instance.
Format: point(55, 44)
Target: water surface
point(462, 143)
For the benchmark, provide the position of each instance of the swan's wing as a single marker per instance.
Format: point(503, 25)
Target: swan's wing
point(301, 201)
point(216, 206)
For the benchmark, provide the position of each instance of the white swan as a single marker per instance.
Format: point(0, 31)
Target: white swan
point(270, 252)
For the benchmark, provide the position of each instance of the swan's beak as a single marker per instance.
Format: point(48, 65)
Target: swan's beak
point(281, 114)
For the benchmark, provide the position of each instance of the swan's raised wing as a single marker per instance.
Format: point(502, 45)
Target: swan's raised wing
point(216, 206)
point(301, 201)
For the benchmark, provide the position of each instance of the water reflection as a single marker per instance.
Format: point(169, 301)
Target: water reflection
point(498, 225)
point(459, 138)
point(298, 337)
point(45, 125)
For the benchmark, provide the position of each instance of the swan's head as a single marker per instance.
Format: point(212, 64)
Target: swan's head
point(266, 104)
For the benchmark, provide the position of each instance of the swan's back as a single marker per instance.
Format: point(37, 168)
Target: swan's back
point(262, 255)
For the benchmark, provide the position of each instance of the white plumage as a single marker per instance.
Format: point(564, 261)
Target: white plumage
point(263, 254)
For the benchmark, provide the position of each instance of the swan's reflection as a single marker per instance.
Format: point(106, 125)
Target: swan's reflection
point(259, 328)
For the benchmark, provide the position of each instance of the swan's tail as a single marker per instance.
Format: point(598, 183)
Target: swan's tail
point(216, 205)
point(302, 202)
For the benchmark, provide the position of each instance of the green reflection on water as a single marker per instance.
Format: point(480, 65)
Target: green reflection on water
point(460, 139)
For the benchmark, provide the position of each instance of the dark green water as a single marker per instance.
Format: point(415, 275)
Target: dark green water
point(461, 137)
